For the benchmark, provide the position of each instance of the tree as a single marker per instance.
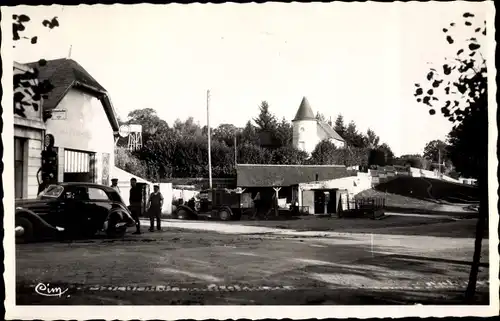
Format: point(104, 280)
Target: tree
point(339, 126)
point(353, 137)
point(249, 134)
point(388, 154)
point(19, 26)
point(436, 151)
point(187, 127)
point(253, 154)
point(158, 153)
point(371, 139)
point(465, 150)
point(324, 153)
point(266, 121)
point(267, 126)
point(464, 84)
point(320, 116)
point(28, 90)
point(376, 157)
point(151, 123)
point(284, 133)
point(222, 160)
point(128, 162)
point(289, 155)
point(148, 119)
point(225, 133)
point(415, 161)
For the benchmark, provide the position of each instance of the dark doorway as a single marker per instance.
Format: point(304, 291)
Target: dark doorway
point(332, 201)
point(319, 202)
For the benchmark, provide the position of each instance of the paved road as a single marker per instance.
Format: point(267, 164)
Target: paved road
point(224, 265)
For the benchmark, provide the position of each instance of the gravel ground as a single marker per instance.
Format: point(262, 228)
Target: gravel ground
point(230, 266)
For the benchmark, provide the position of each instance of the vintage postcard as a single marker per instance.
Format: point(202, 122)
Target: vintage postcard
point(204, 161)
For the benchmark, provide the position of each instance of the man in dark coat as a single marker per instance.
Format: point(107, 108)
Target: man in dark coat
point(135, 200)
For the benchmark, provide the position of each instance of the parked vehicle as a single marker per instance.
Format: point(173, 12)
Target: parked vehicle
point(216, 203)
point(71, 209)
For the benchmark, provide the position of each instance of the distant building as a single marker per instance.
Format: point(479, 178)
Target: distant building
point(283, 182)
point(308, 131)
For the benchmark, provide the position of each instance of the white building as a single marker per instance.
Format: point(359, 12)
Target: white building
point(309, 131)
point(83, 122)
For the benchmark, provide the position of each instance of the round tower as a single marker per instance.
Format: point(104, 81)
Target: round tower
point(305, 131)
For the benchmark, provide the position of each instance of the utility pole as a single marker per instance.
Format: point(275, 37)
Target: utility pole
point(235, 151)
point(209, 148)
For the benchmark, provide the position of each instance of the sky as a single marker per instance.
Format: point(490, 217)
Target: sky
point(360, 60)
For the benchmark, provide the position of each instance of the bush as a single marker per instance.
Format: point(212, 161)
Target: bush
point(288, 155)
point(376, 157)
point(326, 153)
point(128, 162)
point(253, 154)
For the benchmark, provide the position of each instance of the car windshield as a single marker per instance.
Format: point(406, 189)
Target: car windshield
point(52, 191)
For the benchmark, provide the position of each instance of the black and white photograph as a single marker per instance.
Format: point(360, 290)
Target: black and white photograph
point(273, 160)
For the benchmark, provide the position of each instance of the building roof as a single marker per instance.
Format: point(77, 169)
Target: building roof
point(65, 74)
point(305, 111)
point(330, 132)
point(264, 175)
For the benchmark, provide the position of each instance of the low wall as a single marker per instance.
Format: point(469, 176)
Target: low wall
point(384, 174)
point(167, 192)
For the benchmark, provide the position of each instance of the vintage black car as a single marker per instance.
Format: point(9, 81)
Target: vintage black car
point(69, 210)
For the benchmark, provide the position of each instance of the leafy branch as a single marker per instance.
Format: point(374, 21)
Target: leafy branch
point(28, 90)
point(463, 79)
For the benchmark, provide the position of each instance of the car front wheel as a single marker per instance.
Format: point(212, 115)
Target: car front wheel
point(182, 214)
point(112, 230)
point(24, 230)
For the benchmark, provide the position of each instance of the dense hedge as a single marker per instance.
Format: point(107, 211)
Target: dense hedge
point(326, 153)
point(182, 150)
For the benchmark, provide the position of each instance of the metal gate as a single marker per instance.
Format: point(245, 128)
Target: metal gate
point(79, 166)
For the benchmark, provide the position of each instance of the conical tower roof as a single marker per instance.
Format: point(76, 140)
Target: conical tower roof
point(305, 111)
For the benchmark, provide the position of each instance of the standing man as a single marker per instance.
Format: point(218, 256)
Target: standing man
point(155, 204)
point(114, 184)
point(135, 200)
